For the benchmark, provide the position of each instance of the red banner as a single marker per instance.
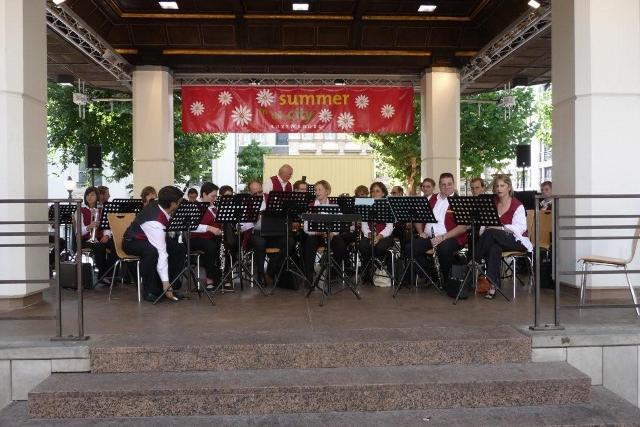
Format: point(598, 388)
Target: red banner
point(293, 109)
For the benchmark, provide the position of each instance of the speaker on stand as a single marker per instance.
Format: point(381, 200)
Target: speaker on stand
point(523, 160)
point(94, 160)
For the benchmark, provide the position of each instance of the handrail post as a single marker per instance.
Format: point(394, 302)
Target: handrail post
point(555, 250)
point(536, 297)
point(79, 270)
point(58, 291)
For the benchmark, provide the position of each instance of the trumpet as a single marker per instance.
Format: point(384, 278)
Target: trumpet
point(95, 213)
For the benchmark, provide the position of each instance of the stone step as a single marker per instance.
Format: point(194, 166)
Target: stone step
point(366, 347)
point(605, 409)
point(274, 391)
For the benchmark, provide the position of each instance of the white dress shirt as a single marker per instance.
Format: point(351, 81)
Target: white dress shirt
point(267, 185)
point(156, 234)
point(386, 232)
point(439, 211)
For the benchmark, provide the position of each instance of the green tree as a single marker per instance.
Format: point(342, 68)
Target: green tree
point(251, 162)
point(489, 134)
point(544, 110)
point(400, 152)
point(110, 125)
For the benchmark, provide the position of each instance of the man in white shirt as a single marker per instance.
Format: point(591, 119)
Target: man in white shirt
point(162, 257)
point(279, 182)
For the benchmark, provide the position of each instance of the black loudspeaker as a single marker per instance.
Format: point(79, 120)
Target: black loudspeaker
point(68, 275)
point(523, 156)
point(94, 157)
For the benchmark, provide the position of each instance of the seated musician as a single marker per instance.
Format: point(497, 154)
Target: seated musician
point(225, 190)
point(428, 186)
point(259, 244)
point(546, 188)
point(445, 235)
point(192, 195)
point(510, 236)
point(314, 239)
point(230, 240)
point(399, 228)
point(300, 186)
point(103, 191)
point(208, 236)
point(162, 257)
point(103, 240)
point(381, 236)
point(477, 186)
point(397, 191)
point(147, 194)
point(361, 191)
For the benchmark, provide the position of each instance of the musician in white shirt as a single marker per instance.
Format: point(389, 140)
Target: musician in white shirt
point(382, 240)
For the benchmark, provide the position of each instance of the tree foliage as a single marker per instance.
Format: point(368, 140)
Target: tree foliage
point(401, 152)
point(488, 135)
point(251, 162)
point(110, 125)
point(544, 110)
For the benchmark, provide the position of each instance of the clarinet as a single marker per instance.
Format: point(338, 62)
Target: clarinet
point(436, 262)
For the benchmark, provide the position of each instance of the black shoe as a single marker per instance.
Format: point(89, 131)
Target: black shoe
point(151, 297)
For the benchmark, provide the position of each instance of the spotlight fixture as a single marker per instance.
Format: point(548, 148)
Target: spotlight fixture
point(427, 8)
point(534, 4)
point(168, 4)
point(300, 7)
point(339, 82)
point(59, 1)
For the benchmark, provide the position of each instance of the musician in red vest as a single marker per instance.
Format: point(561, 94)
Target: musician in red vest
point(445, 235)
point(477, 186)
point(510, 236)
point(279, 182)
point(161, 257)
point(104, 259)
point(207, 237)
point(382, 239)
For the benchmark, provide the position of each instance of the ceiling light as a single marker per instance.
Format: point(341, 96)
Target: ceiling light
point(300, 7)
point(534, 4)
point(427, 8)
point(168, 4)
point(59, 1)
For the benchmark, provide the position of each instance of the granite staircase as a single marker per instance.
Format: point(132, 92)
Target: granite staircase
point(351, 377)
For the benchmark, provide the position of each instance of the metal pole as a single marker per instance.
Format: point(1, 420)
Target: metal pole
point(555, 250)
point(58, 291)
point(536, 299)
point(79, 270)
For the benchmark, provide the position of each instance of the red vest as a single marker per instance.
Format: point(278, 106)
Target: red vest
point(433, 198)
point(86, 220)
point(209, 218)
point(380, 226)
point(507, 217)
point(278, 187)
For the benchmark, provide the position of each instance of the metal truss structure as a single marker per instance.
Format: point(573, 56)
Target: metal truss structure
point(525, 29)
point(73, 29)
point(296, 80)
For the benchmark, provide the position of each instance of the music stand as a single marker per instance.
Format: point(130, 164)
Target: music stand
point(311, 189)
point(328, 219)
point(236, 209)
point(119, 206)
point(378, 211)
point(186, 218)
point(474, 211)
point(285, 204)
point(66, 213)
point(412, 209)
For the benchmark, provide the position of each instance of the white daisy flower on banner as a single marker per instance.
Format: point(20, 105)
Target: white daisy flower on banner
point(345, 121)
point(241, 115)
point(196, 108)
point(362, 101)
point(387, 111)
point(265, 97)
point(325, 115)
point(225, 98)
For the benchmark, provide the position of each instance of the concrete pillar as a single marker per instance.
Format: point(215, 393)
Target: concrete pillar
point(152, 128)
point(23, 143)
point(596, 116)
point(440, 122)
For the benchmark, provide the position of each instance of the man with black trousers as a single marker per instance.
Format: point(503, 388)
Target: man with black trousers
point(161, 257)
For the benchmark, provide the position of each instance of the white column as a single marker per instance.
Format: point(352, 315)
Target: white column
point(152, 128)
point(23, 141)
point(596, 115)
point(440, 122)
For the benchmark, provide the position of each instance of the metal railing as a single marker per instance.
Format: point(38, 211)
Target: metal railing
point(557, 236)
point(55, 223)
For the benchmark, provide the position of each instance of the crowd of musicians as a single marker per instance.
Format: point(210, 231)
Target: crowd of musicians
point(163, 256)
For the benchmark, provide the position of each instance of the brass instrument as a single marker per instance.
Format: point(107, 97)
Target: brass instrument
point(95, 213)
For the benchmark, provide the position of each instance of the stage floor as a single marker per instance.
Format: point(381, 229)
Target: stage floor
point(287, 310)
